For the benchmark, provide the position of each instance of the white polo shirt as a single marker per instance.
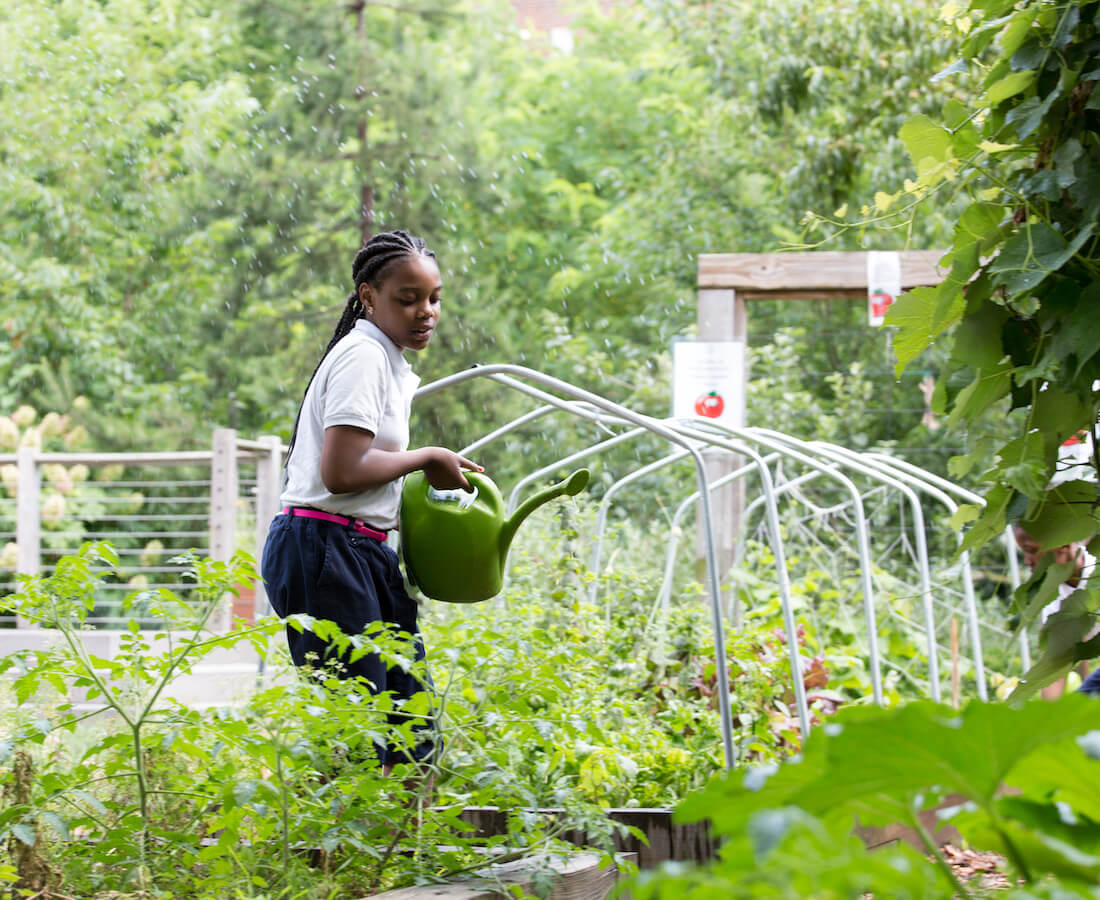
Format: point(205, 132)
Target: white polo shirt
point(1088, 566)
point(365, 381)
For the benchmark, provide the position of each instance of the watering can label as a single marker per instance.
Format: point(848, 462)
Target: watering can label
point(464, 499)
point(455, 543)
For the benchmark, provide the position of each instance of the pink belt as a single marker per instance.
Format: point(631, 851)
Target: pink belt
point(354, 524)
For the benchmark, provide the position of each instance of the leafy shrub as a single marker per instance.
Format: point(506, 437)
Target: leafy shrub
point(1022, 778)
point(120, 788)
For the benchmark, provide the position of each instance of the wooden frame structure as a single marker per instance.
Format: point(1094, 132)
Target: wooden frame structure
point(727, 282)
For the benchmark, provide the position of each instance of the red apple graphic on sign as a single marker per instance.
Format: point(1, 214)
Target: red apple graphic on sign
point(710, 405)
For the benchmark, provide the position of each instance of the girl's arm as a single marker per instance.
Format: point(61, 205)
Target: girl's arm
point(349, 464)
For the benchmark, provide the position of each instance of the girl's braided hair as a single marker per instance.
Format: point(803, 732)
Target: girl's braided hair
point(370, 266)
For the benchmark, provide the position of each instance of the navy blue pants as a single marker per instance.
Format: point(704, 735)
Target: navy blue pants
point(1091, 685)
point(332, 572)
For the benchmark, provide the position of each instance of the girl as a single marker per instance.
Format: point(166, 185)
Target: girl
point(325, 554)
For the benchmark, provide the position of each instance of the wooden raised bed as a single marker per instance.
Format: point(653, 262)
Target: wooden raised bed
point(578, 876)
point(668, 840)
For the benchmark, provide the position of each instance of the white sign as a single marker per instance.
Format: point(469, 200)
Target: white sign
point(708, 381)
point(883, 283)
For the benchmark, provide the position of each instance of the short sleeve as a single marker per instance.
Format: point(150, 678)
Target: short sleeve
point(355, 388)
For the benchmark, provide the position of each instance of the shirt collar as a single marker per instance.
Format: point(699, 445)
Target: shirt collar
point(398, 363)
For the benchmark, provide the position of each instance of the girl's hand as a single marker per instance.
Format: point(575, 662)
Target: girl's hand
point(444, 469)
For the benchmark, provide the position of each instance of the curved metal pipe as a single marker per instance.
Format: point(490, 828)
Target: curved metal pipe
point(852, 461)
point(973, 624)
point(767, 486)
point(863, 542)
point(950, 487)
point(665, 593)
point(605, 505)
point(672, 436)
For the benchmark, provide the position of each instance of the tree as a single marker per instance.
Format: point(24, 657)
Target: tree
point(113, 115)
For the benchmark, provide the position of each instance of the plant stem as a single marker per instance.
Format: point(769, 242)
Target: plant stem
point(190, 644)
point(153, 792)
point(143, 798)
point(1011, 851)
point(79, 651)
point(284, 803)
point(931, 846)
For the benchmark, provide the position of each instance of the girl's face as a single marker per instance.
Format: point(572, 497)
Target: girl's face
point(1033, 553)
point(406, 305)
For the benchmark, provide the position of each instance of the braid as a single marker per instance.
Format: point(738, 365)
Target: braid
point(369, 267)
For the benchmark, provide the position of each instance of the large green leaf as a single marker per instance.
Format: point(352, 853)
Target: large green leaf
point(990, 385)
point(1058, 413)
point(923, 745)
point(978, 337)
point(1024, 465)
point(926, 140)
point(920, 316)
point(1062, 773)
point(1067, 513)
point(976, 222)
point(1079, 335)
point(1032, 254)
point(878, 762)
point(1009, 86)
point(991, 523)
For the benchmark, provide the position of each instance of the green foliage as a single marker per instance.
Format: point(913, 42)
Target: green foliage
point(558, 703)
point(121, 788)
point(115, 116)
point(213, 195)
point(1024, 155)
point(1013, 778)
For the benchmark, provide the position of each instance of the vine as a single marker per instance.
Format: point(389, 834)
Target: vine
point(1022, 299)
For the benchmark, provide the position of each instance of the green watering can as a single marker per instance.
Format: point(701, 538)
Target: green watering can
point(455, 543)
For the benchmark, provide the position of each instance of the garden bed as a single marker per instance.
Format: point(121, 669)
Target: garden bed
point(578, 876)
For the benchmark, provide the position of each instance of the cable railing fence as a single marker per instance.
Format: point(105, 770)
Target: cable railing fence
point(151, 507)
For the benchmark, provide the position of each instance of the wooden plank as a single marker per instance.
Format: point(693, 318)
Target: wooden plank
point(826, 271)
point(578, 876)
point(846, 294)
point(182, 457)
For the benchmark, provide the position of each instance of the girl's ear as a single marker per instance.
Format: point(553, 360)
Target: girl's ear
point(366, 297)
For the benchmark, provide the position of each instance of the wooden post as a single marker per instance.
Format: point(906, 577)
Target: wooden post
point(224, 491)
point(728, 281)
point(268, 488)
point(721, 317)
point(28, 517)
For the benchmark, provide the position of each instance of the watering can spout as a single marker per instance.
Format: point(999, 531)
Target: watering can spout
point(571, 486)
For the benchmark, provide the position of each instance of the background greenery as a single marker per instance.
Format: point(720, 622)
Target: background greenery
point(184, 187)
